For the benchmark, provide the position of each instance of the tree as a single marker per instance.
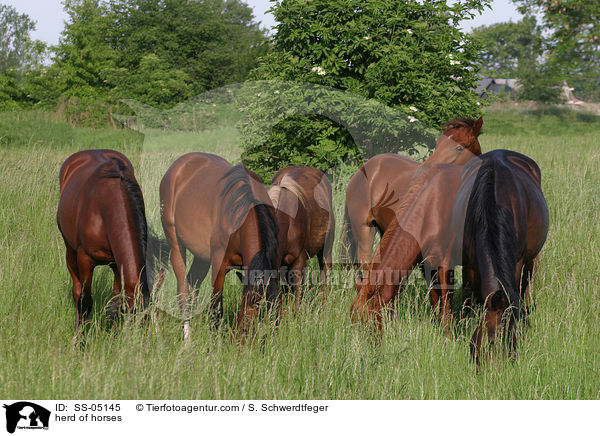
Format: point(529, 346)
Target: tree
point(20, 57)
point(573, 40)
point(408, 54)
point(516, 50)
point(18, 51)
point(506, 47)
point(160, 52)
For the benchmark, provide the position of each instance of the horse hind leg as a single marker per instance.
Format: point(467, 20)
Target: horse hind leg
point(365, 236)
point(83, 301)
point(325, 261)
point(526, 277)
point(114, 306)
point(177, 255)
point(71, 258)
point(196, 275)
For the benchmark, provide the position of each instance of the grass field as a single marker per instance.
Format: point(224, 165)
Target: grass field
point(314, 353)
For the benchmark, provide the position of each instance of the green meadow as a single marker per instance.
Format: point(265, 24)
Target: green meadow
point(314, 352)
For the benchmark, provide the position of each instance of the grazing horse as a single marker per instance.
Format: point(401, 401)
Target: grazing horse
point(422, 232)
point(375, 191)
point(505, 226)
point(224, 217)
point(304, 214)
point(101, 218)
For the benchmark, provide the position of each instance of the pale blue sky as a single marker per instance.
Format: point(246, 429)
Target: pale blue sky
point(50, 16)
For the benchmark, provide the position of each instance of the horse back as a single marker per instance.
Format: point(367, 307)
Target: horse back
point(90, 183)
point(378, 186)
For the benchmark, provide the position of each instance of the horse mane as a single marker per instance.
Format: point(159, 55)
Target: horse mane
point(490, 232)
point(136, 201)
point(459, 122)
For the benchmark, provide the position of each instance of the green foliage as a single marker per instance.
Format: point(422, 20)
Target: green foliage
point(406, 54)
point(158, 52)
point(154, 82)
point(20, 56)
point(573, 41)
point(516, 50)
point(17, 50)
point(506, 47)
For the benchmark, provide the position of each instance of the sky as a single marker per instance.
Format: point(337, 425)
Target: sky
point(50, 17)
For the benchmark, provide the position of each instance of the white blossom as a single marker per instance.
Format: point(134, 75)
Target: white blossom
point(410, 32)
point(412, 119)
point(414, 109)
point(367, 38)
point(320, 71)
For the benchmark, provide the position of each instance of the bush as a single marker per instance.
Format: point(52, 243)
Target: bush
point(405, 54)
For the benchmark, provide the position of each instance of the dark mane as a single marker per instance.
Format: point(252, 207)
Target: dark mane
point(239, 198)
point(458, 123)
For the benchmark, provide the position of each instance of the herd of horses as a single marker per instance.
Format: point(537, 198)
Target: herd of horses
point(485, 212)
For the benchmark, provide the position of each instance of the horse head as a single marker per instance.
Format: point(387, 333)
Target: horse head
point(458, 144)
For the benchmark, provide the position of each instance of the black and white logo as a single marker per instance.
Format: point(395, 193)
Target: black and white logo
point(26, 415)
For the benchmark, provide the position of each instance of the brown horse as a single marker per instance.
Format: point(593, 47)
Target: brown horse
point(224, 217)
point(376, 190)
point(504, 214)
point(422, 233)
point(304, 214)
point(102, 221)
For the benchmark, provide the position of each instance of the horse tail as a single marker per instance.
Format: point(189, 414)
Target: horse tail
point(495, 242)
point(150, 246)
point(348, 244)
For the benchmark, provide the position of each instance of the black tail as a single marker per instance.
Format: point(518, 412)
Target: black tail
point(348, 244)
point(495, 241)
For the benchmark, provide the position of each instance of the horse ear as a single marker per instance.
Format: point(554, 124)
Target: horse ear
point(477, 126)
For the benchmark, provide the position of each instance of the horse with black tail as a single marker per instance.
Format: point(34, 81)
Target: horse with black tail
point(223, 215)
point(101, 217)
point(505, 227)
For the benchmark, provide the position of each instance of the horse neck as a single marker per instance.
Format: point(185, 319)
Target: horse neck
point(260, 250)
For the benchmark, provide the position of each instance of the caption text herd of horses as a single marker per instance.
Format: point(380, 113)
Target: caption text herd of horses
point(485, 212)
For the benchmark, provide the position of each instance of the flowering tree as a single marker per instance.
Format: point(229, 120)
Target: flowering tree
point(407, 54)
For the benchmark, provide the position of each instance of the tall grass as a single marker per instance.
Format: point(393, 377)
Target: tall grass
point(315, 353)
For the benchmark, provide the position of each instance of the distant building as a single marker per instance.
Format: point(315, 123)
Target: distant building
point(491, 86)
